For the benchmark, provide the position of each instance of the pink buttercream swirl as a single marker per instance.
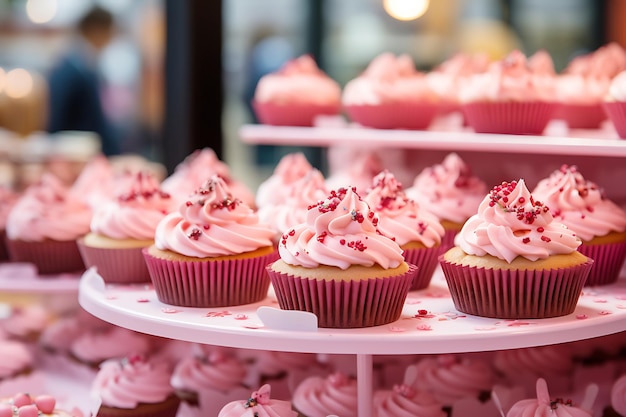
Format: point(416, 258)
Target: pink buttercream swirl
point(298, 81)
point(127, 383)
point(401, 218)
point(319, 397)
point(258, 405)
point(544, 406)
point(14, 358)
point(137, 210)
point(215, 371)
point(339, 231)
point(212, 223)
point(449, 190)
point(580, 204)
point(97, 346)
point(450, 378)
point(511, 223)
point(47, 210)
point(618, 395)
point(539, 361)
point(291, 168)
point(406, 401)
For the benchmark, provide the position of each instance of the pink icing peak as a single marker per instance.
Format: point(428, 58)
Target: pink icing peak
point(525, 208)
point(217, 193)
point(261, 396)
point(304, 64)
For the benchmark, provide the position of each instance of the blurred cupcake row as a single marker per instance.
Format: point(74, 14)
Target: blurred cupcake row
point(516, 95)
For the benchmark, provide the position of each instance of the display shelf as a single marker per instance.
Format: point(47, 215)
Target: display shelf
point(558, 141)
point(429, 323)
point(23, 278)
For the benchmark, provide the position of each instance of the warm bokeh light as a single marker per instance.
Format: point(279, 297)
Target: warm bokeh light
point(19, 83)
point(3, 80)
point(406, 9)
point(41, 11)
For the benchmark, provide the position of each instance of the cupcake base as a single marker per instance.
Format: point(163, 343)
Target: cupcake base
point(292, 114)
point(426, 261)
point(414, 116)
point(344, 303)
point(116, 266)
point(581, 116)
point(515, 118)
point(617, 113)
point(50, 257)
point(608, 259)
point(515, 293)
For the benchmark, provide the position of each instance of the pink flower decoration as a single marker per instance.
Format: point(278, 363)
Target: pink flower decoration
point(241, 317)
point(218, 314)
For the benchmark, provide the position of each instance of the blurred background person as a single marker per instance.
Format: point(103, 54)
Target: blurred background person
point(75, 101)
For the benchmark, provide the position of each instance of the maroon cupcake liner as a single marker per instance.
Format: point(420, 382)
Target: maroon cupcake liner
point(413, 116)
point(581, 116)
point(116, 266)
point(167, 408)
point(209, 284)
point(515, 118)
point(608, 260)
point(292, 114)
point(50, 257)
point(426, 261)
point(515, 294)
point(447, 242)
point(344, 304)
point(617, 113)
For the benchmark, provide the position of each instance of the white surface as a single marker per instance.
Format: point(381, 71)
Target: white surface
point(23, 278)
point(559, 141)
point(600, 311)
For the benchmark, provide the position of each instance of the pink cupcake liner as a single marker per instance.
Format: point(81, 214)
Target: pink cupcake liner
point(447, 242)
point(116, 266)
point(50, 257)
point(426, 261)
point(581, 116)
point(608, 260)
point(516, 118)
point(344, 304)
point(617, 113)
point(414, 116)
point(209, 284)
point(515, 294)
point(292, 114)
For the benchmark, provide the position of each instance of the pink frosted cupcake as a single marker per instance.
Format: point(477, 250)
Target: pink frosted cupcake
point(296, 94)
point(391, 94)
point(259, 404)
point(26, 322)
point(94, 347)
point(122, 227)
point(417, 231)
point(333, 395)
point(135, 386)
point(211, 252)
point(512, 260)
point(15, 359)
point(451, 192)
point(615, 103)
point(600, 223)
point(8, 198)
point(544, 406)
point(43, 226)
point(338, 266)
point(509, 98)
point(194, 171)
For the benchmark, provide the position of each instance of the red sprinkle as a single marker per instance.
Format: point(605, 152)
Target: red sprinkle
point(526, 240)
point(195, 234)
point(545, 238)
point(540, 229)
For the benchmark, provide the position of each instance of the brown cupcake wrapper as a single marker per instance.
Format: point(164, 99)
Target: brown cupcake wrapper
point(50, 257)
point(167, 408)
point(292, 114)
point(426, 261)
point(414, 116)
point(515, 294)
point(116, 266)
point(608, 260)
point(211, 283)
point(617, 113)
point(581, 116)
point(516, 118)
point(344, 304)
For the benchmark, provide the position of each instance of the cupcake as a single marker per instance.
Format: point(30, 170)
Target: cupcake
point(59, 335)
point(43, 226)
point(275, 189)
point(122, 227)
point(135, 386)
point(600, 223)
point(509, 98)
point(543, 405)
point(333, 395)
point(15, 359)
point(8, 198)
point(512, 260)
point(296, 94)
point(94, 347)
point(26, 322)
point(194, 171)
point(259, 404)
point(391, 94)
point(406, 400)
point(615, 104)
point(417, 231)
point(618, 399)
point(338, 266)
point(207, 380)
point(451, 192)
point(22, 404)
point(211, 252)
